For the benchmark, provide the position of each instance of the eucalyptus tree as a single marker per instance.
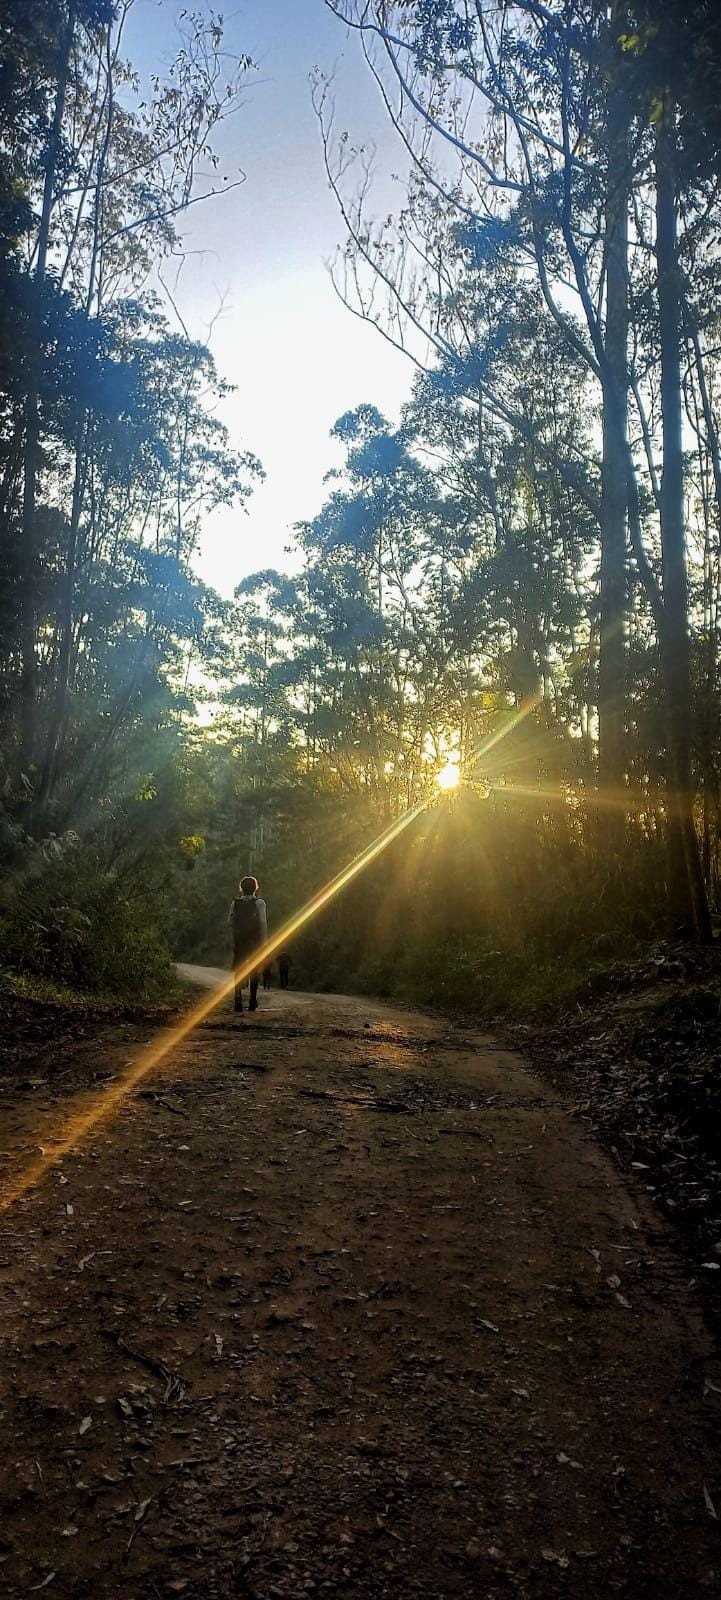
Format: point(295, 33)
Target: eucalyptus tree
point(386, 538)
point(108, 444)
point(525, 127)
point(524, 573)
point(41, 176)
point(505, 120)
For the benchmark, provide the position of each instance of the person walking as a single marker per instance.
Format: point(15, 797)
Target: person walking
point(249, 921)
point(267, 974)
point(285, 962)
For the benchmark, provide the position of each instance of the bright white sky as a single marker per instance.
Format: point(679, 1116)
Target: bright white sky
point(298, 358)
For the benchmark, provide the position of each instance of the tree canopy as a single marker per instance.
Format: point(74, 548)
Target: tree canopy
point(520, 575)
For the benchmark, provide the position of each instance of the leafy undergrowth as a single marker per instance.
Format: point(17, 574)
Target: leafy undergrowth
point(640, 1056)
point(38, 1015)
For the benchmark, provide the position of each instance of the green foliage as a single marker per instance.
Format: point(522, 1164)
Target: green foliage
point(486, 909)
point(453, 593)
point(112, 455)
point(191, 847)
point(72, 921)
point(677, 46)
point(111, 450)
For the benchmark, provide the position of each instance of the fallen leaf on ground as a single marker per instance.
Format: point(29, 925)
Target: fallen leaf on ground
point(553, 1555)
point(710, 1507)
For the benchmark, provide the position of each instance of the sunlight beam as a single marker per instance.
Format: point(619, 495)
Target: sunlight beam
point(110, 1100)
point(611, 800)
point(511, 722)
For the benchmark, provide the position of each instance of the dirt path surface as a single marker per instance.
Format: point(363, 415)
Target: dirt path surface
point(344, 1303)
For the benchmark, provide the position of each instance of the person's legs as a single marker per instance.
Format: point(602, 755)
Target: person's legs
point(253, 1002)
point(240, 956)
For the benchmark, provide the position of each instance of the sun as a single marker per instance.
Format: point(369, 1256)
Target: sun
point(449, 776)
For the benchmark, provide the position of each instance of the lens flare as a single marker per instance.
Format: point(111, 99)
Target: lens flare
point(82, 1123)
point(512, 721)
point(449, 776)
point(557, 794)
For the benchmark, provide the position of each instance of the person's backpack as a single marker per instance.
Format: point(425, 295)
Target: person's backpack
point(246, 923)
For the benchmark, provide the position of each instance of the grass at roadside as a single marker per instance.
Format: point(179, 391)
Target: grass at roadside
point(42, 1021)
point(38, 993)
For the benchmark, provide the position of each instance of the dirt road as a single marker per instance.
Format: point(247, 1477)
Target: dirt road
point(343, 1302)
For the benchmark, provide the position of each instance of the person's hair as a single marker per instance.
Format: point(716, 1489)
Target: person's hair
point(249, 885)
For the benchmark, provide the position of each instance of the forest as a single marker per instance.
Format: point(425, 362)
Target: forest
point(518, 582)
point(400, 1280)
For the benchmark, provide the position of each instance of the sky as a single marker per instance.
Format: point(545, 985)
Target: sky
point(256, 260)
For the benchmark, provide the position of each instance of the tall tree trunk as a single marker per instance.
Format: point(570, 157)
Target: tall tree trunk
point(61, 696)
point(28, 580)
point(688, 903)
point(61, 699)
point(614, 583)
point(28, 616)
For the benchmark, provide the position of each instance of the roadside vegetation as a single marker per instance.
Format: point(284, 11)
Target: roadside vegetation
point(521, 577)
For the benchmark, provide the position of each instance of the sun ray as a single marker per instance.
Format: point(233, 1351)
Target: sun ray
point(81, 1124)
point(77, 1128)
point(611, 800)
